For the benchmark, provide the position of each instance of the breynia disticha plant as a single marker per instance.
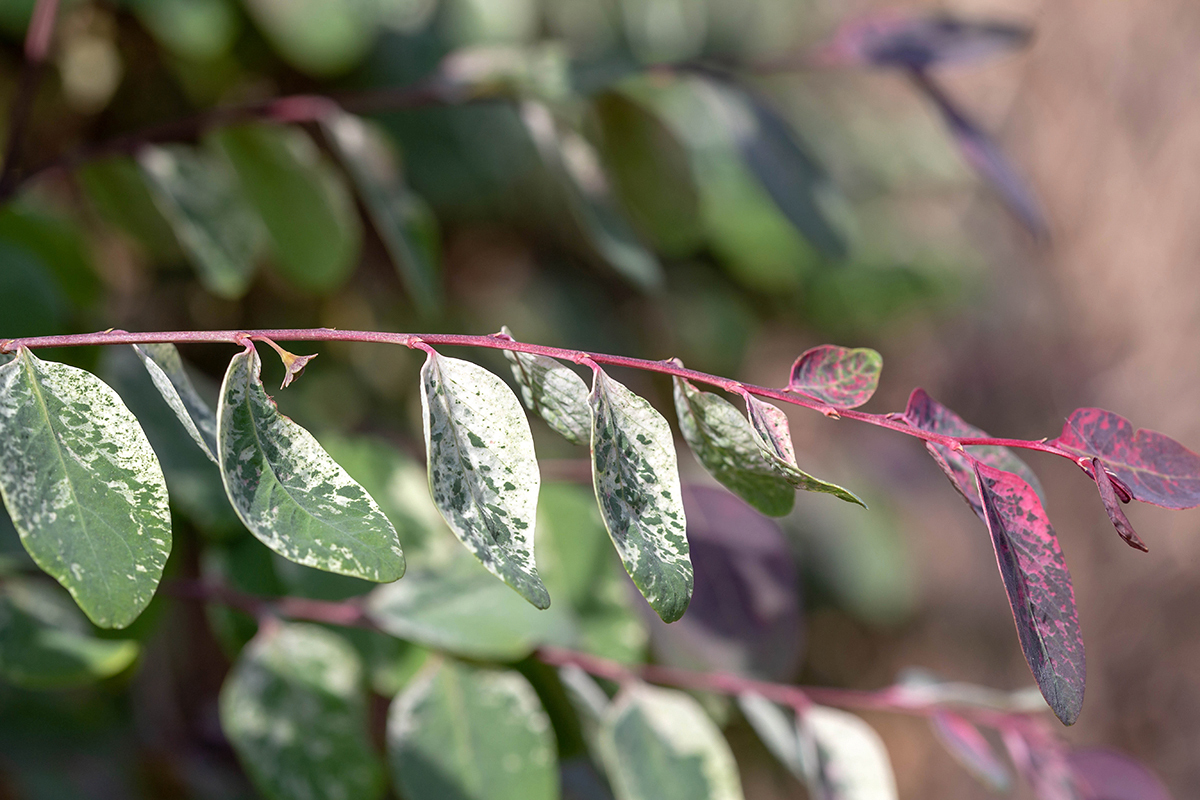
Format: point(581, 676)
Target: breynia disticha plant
point(485, 481)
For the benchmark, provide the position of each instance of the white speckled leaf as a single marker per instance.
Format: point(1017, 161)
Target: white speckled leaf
point(658, 744)
point(294, 707)
point(483, 473)
point(166, 370)
point(461, 733)
point(770, 428)
point(854, 764)
point(636, 478)
point(777, 730)
point(725, 445)
point(83, 487)
point(555, 392)
point(290, 493)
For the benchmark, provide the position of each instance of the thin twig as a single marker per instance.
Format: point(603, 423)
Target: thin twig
point(37, 47)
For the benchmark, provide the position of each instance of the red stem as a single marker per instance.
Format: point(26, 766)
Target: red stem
point(498, 342)
point(37, 47)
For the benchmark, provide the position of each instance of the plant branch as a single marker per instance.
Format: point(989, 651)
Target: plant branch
point(498, 342)
point(37, 47)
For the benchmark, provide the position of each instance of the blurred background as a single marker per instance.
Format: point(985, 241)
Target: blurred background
point(648, 212)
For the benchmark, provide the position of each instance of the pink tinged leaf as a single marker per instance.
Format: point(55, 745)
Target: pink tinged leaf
point(896, 40)
point(927, 414)
point(1112, 505)
point(842, 377)
point(1108, 775)
point(970, 749)
point(1151, 467)
point(1039, 588)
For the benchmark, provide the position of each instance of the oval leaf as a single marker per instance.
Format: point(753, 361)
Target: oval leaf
point(166, 370)
point(1155, 468)
point(461, 733)
point(659, 744)
point(554, 391)
point(969, 748)
point(314, 229)
point(459, 607)
point(294, 707)
point(839, 376)
point(1110, 775)
point(83, 487)
point(724, 444)
point(854, 764)
point(636, 478)
point(199, 196)
point(1112, 505)
point(46, 644)
point(927, 414)
point(1039, 588)
point(316, 37)
point(290, 493)
point(769, 426)
point(483, 472)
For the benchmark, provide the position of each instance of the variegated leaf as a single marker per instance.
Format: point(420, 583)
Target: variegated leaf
point(658, 744)
point(724, 444)
point(770, 428)
point(166, 370)
point(483, 472)
point(854, 763)
point(636, 478)
point(290, 493)
point(83, 487)
point(294, 707)
point(969, 748)
point(840, 376)
point(554, 391)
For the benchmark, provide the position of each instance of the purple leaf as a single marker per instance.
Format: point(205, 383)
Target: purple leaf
point(1039, 588)
point(744, 616)
point(1109, 775)
point(1108, 494)
point(894, 40)
point(838, 376)
point(986, 158)
point(927, 414)
point(969, 747)
point(1041, 761)
point(1151, 467)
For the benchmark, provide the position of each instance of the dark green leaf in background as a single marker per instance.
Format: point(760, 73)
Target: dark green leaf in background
point(120, 196)
point(199, 195)
point(314, 228)
point(166, 370)
point(554, 391)
point(724, 444)
point(315, 36)
point(636, 478)
point(295, 709)
point(83, 487)
point(58, 242)
point(461, 733)
point(201, 30)
point(483, 473)
point(290, 493)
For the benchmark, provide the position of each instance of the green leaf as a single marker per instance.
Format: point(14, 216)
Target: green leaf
point(770, 428)
point(294, 707)
point(460, 608)
point(777, 730)
point(658, 744)
point(725, 445)
point(118, 191)
point(83, 487)
point(58, 242)
point(45, 643)
point(318, 37)
point(290, 493)
point(554, 391)
point(309, 213)
point(461, 733)
point(401, 219)
point(196, 30)
point(166, 370)
point(199, 196)
point(483, 472)
point(854, 763)
point(636, 478)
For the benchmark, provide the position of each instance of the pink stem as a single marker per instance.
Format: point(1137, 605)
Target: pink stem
point(497, 342)
point(37, 47)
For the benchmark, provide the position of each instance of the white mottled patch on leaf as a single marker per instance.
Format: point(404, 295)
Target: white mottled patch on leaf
point(290, 493)
point(658, 744)
point(636, 478)
point(294, 708)
point(83, 487)
point(166, 371)
point(555, 392)
point(770, 428)
point(854, 763)
point(474, 733)
point(483, 471)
